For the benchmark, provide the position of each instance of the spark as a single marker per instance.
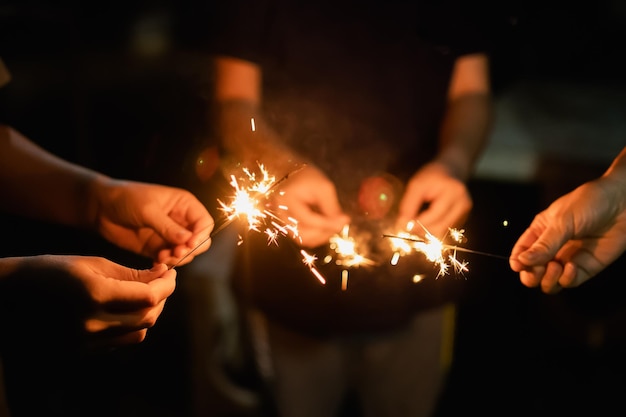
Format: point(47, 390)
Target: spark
point(248, 202)
point(309, 260)
point(442, 256)
point(347, 254)
point(347, 251)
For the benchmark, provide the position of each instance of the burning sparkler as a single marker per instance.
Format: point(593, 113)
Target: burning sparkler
point(436, 251)
point(440, 254)
point(247, 202)
point(347, 254)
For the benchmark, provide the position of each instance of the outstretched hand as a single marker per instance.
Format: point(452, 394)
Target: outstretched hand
point(574, 239)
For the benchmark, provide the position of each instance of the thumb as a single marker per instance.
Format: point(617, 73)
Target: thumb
point(545, 247)
point(158, 270)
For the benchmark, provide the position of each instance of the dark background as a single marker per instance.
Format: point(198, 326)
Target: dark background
point(120, 87)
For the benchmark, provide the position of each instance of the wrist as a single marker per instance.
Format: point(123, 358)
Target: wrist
point(98, 193)
point(454, 164)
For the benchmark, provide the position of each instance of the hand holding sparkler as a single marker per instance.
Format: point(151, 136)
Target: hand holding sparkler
point(82, 299)
point(577, 236)
point(311, 198)
point(435, 198)
point(160, 222)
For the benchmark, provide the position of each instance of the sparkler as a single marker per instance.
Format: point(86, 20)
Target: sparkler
point(436, 251)
point(348, 256)
point(247, 203)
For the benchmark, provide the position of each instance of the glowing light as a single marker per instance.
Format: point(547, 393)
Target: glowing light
point(443, 256)
point(346, 249)
point(347, 254)
point(418, 278)
point(247, 203)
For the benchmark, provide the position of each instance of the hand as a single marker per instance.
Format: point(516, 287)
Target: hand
point(103, 302)
point(160, 222)
point(575, 238)
point(436, 199)
point(311, 199)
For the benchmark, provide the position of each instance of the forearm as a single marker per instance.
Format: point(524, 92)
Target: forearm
point(240, 126)
point(466, 124)
point(8, 266)
point(249, 140)
point(40, 185)
point(464, 134)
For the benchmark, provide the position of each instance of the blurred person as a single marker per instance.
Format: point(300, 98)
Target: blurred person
point(381, 111)
point(577, 236)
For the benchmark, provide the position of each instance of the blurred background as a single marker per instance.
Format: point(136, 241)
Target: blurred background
point(121, 86)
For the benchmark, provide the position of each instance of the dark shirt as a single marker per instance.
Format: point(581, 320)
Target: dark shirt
point(359, 88)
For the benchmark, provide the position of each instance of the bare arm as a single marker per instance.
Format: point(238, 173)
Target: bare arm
point(440, 184)
point(160, 222)
point(465, 128)
point(40, 185)
point(309, 195)
point(237, 97)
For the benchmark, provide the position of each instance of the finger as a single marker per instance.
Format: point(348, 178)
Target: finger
point(130, 338)
point(171, 231)
point(515, 264)
point(148, 289)
point(409, 206)
point(524, 242)
point(111, 322)
point(201, 234)
point(182, 255)
point(329, 205)
point(438, 220)
point(101, 341)
point(313, 237)
point(532, 277)
point(571, 276)
point(326, 224)
point(586, 266)
point(550, 280)
point(544, 248)
point(445, 211)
